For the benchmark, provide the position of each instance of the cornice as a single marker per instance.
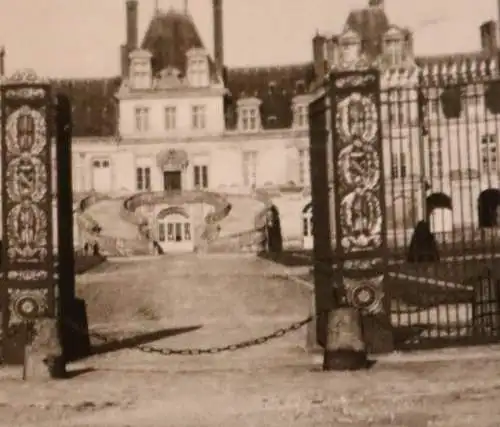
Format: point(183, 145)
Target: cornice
point(178, 92)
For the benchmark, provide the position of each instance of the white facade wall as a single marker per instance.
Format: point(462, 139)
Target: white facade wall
point(183, 103)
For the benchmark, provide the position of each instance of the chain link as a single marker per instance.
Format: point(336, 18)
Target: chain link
point(200, 351)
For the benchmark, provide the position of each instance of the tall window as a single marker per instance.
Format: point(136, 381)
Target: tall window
point(435, 157)
point(489, 159)
point(304, 166)
point(142, 119)
point(143, 178)
point(393, 51)
point(198, 119)
point(200, 176)
point(250, 169)
point(473, 102)
point(170, 118)
point(248, 118)
point(434, 107)
point(397, 113)
point(398, 165)
point(301, 118)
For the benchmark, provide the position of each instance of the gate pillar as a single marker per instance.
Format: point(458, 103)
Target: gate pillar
point(27, 259)
point(360, 249)
point(37, 292)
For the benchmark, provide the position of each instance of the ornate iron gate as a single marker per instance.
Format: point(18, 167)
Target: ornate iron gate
point(409, 232)
point(27, 245)
point(31, 121)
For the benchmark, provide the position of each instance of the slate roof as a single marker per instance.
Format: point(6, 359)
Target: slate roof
point(274, 86)
point(170, 35)
point(95, 110)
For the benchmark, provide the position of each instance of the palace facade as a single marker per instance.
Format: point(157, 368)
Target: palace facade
point(178, 120)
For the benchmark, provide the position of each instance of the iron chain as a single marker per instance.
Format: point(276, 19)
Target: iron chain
point(203, 351)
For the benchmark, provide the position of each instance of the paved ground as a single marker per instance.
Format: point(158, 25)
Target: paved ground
point(272, 384)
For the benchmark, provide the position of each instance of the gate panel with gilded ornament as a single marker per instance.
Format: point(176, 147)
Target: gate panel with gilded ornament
point(359, 199)
point(27, 246)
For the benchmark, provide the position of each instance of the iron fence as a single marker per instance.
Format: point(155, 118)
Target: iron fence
point(435, 145)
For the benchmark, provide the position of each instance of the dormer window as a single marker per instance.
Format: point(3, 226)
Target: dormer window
point(197, 68)
point(350, 46)
point(394, 47)
point(301, 116)
point(249, 118)
point(394, 51)
point(249, 114)
point(300, 111)
point(140, 69)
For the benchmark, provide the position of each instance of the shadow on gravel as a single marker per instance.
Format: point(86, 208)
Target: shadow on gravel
point(73, 373)
point(140, 339)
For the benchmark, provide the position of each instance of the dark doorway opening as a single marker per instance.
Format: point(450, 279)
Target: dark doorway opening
point(274, 237)
point(437, 201)
point(172, 180)
point(487, 208)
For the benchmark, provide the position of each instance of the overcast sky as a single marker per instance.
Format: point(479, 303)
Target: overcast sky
point(81, 38)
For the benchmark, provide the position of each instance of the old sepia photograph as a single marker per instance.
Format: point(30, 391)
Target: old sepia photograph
point(242, 213)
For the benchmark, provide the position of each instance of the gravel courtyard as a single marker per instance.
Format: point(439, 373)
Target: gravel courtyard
point(221, 301)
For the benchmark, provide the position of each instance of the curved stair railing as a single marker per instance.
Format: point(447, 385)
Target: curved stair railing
point(93, 234)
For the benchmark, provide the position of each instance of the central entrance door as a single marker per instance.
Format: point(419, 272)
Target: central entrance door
point(172, 180)
point(174, 230)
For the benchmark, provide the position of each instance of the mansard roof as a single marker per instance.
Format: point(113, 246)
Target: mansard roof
point(170, 35)
point(95, 110)
point(275, 86)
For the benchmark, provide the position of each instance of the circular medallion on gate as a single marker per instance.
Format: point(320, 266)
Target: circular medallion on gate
point(27, 307)
point(363, 297)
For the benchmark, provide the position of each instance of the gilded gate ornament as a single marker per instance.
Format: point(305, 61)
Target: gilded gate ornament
point(359, 195)
point(26, 179)
point(27, 257)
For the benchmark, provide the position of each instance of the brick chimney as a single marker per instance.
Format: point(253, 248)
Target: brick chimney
point(489, 37)
point(319, 57)
point(218, 36)
point(131, 41)
point(2, 61)
point(498, 18)
point(132, 24)
point(377, 3)
point(124, 60)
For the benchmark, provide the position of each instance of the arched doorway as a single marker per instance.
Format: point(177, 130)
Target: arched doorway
point(307, 227)
point(174, 230)
point(439, 212)
point(488, 208)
